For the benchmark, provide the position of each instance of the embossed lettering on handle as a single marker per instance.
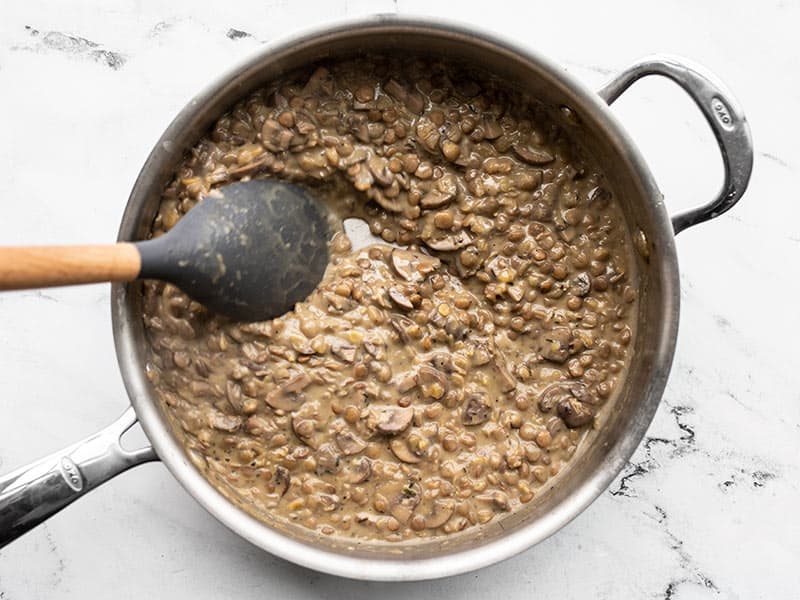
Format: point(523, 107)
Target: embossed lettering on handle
point(71, 474)
point(723, 114)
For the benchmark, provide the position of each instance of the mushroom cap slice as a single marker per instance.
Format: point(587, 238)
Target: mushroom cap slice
point(476, 411)
point(305, 429)
point(400, 299)
point(442, 361)
point(413, 266)
point(505, 380)
point(361, 472)
point(375, 347)
point(436, 199)
point(407, 382)
point(404, 502)
point(556, 346)
point(288, 395)
point(434, 382)
point(349, 443)
point(390, 420)
point(482, 352)
point(343, 350)
point(379, 167)
point(451, 242)
point(531, 155)
point(328, 459)
point(556, 392)
point(574, 412)
point(401, 325)
point(440, 514)
point(222, 422)
point(283, 478)
point(401, 450)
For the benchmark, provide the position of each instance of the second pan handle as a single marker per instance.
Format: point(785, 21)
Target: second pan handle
point(723, 114)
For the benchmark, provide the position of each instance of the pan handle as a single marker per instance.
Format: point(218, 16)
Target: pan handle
point(39, 490)
point(723, 114)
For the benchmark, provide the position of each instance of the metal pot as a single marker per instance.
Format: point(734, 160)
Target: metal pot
point(33, 493)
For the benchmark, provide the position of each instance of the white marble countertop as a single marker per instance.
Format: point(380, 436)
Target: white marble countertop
point(708, 507)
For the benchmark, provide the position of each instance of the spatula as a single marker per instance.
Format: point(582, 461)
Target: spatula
point(249, 251)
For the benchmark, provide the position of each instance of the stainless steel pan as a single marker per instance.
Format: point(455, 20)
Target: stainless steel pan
point(35, 492)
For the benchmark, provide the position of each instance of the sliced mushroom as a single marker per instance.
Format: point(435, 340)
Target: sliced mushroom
point(259, 425)
point(349, 443)
point(233, 392)
point(359, 154)
point(379, 167)
point(413, 266)
point(389, 420)
point(481, 354)
point(400, 299)
point(288, 396)
point(553, 395)
point(328, 502)
point(428, 134)
point(497, 498)
point(541, 211)
point(328, 459)
point(361, 471)
point(343, 350)
point(440, 513)
point(393, 205)
point(436, 198)
point(275, 136)
point(476, 411)
point(450, 242)
point(456, 329)
point(400, 325)
point(222, 422)
point(262, 163)
point(363, 393)
point(505, 380)
point(407, 382)
point(533, 156)
point(556, 346)
point(406, 501)
point(574, 412)
point(376, 348)
point(283, 479)
point(550, 397)
point(491, 128)
point(401, 450)
point(442, 361)
point(305, 429)
point(434, 382)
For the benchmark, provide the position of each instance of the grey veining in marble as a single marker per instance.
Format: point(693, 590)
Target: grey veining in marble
point(707, 508)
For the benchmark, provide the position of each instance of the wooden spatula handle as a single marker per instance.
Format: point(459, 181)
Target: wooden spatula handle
point(48, 266)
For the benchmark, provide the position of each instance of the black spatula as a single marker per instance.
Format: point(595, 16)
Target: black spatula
point(249, 250)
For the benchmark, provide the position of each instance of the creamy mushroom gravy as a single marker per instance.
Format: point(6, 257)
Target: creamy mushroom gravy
point(419, 390)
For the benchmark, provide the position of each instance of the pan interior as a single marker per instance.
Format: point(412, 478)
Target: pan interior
point(625, 420)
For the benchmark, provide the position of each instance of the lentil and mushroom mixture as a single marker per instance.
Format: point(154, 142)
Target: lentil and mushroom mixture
point(429, 385)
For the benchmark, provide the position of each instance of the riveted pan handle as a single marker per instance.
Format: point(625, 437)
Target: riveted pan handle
point(723, 115)
point(39, 490)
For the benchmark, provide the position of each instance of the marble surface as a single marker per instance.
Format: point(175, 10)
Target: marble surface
point(707, 508)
